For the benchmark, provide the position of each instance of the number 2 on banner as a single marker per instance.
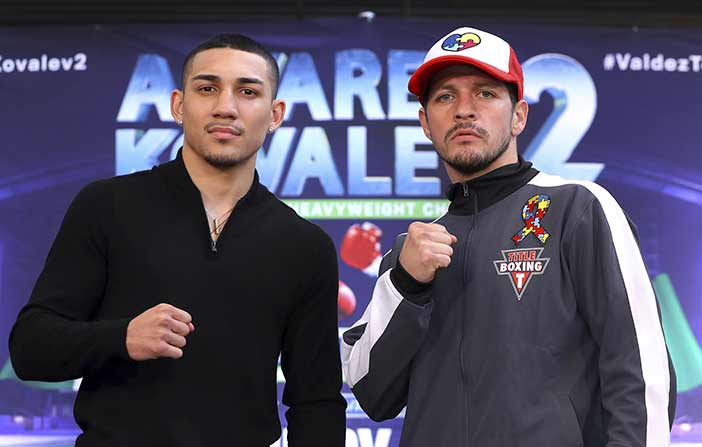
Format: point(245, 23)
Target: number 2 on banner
point(574, 107)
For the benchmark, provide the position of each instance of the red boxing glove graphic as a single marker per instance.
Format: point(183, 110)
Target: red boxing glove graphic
point(346, 302)
point(360, 247)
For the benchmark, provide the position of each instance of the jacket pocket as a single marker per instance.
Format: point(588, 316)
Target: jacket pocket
point(570, 428)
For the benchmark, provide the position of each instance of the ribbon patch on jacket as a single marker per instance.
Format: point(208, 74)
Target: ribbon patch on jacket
point(534, 210)
point(521, 265)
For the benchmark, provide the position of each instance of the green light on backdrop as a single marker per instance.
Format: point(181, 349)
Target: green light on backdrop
point(684, 349)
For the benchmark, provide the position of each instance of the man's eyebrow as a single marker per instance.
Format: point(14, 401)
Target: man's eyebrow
point(215, 78)
point(250, 81)
point(490, 83)
point(206, 77)
point(446, 86)
point(443, 87)
point(451, 86)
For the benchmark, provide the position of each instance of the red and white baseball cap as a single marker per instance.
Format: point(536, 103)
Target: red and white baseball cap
point(473, 47)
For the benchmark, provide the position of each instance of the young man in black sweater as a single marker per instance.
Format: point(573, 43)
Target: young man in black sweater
point(118, 306)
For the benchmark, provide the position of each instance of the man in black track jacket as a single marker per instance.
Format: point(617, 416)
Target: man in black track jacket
point(522, 317)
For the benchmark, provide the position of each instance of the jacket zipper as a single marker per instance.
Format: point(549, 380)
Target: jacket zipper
point(464, 380)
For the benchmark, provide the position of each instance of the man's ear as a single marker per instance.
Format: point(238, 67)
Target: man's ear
point(177, 105)
point(519, 117)
point(277, 113)
point(424, 120)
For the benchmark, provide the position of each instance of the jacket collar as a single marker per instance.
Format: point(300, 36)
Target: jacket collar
point(481, 192)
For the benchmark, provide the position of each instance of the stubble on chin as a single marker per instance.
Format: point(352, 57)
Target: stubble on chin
point(224, 158)
point(475, 161)
point(225, 162)
point(220, 162)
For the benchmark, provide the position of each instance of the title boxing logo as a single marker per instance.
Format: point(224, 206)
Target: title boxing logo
point(521, 265)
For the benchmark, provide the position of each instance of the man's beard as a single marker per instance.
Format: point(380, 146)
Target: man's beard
point(220, 161)
point(225, 162)
point(475, 162)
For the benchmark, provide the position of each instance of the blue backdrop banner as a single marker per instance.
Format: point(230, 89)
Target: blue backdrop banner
point(618, 106)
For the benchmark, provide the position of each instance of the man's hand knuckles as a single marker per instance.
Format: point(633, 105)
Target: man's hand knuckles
point(414, 226)
point(155, 349)
point(427, 257)
point(436, 228)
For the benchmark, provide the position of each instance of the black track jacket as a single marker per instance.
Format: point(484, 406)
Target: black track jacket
point(543, 331)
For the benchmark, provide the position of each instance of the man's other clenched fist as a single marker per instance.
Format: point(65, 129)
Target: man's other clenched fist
point(427, 248)
point(159, 332)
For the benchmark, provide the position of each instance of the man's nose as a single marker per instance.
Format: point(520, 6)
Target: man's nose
point(465, 108)
point(226, 106)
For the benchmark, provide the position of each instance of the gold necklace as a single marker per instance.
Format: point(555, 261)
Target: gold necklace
point(217, 225)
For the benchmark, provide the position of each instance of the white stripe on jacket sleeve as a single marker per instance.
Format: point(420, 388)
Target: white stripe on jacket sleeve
point(355, 359)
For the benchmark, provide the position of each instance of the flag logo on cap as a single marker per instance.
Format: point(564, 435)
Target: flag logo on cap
point(460, 42)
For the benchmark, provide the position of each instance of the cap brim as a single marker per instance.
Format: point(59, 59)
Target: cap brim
point(420, 79)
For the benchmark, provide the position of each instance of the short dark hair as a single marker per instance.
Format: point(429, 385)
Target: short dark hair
point(235, 42)
point(511, 87)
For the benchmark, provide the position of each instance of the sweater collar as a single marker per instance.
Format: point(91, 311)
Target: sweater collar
point(481, 192)
point(177, 178)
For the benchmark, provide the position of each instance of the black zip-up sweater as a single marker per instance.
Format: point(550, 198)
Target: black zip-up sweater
point(543, 331)
point(268, 287)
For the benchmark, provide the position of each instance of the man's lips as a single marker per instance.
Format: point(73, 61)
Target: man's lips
point(465, 134)
point(223, 132)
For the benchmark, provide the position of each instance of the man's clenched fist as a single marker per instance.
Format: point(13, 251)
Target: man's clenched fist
point(159, 332)
point(427, 248)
